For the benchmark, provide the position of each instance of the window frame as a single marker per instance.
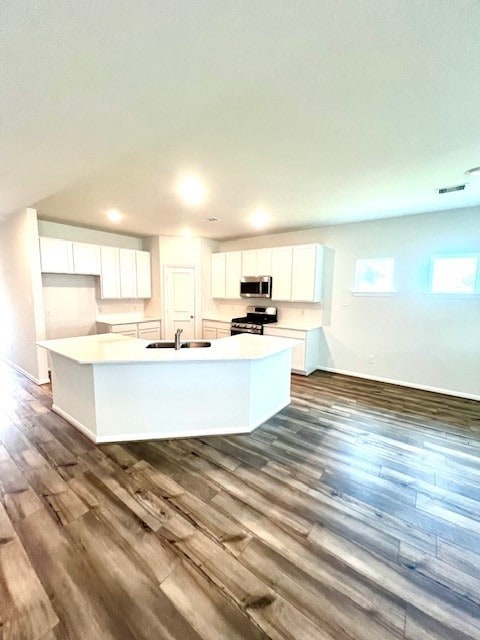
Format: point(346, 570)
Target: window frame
point(386, 292)
point(455, 294)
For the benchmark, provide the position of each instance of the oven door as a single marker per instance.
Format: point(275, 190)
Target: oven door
point(236, 331)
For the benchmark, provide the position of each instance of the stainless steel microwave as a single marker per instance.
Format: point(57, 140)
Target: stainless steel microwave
point(256, 287)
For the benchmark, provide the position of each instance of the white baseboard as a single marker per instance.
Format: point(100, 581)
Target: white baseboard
point(25, 373)
point(161, 435)
point(400, 383)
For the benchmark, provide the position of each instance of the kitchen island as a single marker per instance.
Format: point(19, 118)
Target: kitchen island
point(112, 388)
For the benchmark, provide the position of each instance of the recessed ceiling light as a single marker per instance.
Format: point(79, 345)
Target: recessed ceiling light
point(259, 218)
point(475, 172)
point(191, 190)
point(114, 215)
point(187, 233)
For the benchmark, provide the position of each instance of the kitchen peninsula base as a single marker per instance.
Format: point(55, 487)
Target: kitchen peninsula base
point(131, 394)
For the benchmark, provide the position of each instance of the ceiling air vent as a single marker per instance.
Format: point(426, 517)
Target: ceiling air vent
point(211, 219)
point(457, 187)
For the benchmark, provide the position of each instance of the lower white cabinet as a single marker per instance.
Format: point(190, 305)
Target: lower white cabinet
point(306, 355)
point(215, 329)
point(125, 329)
point(148, 330)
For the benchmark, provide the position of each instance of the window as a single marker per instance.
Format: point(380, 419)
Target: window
point(374, 275)
point(455, 275)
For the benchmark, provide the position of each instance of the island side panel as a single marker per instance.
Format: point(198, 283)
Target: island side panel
point(270, 386)
point(73, 393)
point(171, 399)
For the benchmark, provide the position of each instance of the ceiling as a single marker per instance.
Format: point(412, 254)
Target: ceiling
point(320, 112)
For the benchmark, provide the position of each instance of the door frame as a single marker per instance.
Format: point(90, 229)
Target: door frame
point(166, 268)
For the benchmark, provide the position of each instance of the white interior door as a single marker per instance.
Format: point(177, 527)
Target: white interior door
point(179, 301)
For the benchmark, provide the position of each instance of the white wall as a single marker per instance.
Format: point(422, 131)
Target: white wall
point(21, 301)
point(420, 340)
point(176, 251)
point(80, 234)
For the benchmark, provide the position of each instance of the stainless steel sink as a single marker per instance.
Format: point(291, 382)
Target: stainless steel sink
point(160, 345)
point(195, 344)
point(191, 344)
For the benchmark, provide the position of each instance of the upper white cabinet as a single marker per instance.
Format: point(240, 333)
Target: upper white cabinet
point(86, 258)
point(282, 273)
point(144, 276)
point(233, 272)
point(128, 273)
point(110, 275)
point(307, 273)
point(218, 275)
point(56, 256)
point(257, 262)
point(124, 273)
point(296, 271)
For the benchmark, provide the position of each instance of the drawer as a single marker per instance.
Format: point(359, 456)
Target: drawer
point(296, 334)
point(122, 328)
point(153, 324)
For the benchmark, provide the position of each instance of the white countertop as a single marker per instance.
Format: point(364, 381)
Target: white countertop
point(125, 318)
point(114, 348)
point(212, 318)
point(300, 325)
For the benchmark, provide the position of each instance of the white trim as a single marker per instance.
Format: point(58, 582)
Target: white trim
point(38, 381)
point(400, 383)
point(78, 425)
point(161, 435)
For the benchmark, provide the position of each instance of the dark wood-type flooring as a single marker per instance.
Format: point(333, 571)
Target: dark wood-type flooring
point(352, 514)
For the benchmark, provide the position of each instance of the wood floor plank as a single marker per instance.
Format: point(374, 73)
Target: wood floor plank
point(353, 514)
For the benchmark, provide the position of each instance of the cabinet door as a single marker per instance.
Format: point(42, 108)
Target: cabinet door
point(298, 358)
point(128, 274)
point(223, 333)
point(148, 334)
point(307, 273)
point(233, 272)
point(56, 256)
point(86, 258)
point(144, 278)
point(282, 273)
point(249, 263)
point(129, 330)
point(218, 275)
point(264, 262)
point(209, 333)
point(110, 272)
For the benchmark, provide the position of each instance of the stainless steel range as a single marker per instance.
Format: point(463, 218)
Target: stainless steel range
point(254, 320)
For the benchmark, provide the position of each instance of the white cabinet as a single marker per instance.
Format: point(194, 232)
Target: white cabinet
point(264, 262)
point(296, 271)
point(144, 275)
point(249, 263)
point(86, 258)
point(218, 275)
point(215, 329)
point(149, 330)
point(110, 272)
point(130, 330)
point(56, 256)
point(146, 330)
point(307, 262)
point(282, 273)
point(257, 262)
point(233, 272)
point(128, 274)
point(306, 355)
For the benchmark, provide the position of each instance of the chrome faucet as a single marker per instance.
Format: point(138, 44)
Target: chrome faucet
point(177, 338)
